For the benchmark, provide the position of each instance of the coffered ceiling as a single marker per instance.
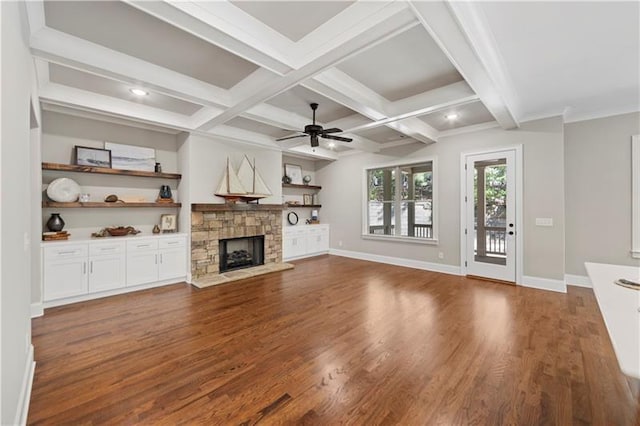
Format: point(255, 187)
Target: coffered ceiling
point(385, 72)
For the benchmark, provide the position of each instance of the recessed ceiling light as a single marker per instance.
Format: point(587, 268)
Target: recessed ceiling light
point(451, 116)
point(332, 144)
point(138, 92)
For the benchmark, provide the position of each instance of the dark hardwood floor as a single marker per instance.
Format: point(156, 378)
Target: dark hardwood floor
point(333, 341)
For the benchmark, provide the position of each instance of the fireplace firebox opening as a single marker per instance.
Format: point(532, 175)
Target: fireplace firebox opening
point(238, 253)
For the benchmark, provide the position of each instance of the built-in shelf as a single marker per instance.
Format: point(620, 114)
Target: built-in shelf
point(107, 171)
point(225, 207)
point(116, 205)
point(294, 185)
point(296, 206)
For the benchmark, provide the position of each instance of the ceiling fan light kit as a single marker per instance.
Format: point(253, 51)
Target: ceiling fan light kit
point(314, 131)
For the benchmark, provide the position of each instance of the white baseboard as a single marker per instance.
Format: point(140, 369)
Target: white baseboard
point(544, 284)
point(37, 310)
point(578, 280)
point(304, 256)
point(25, 390)
point(416, 264)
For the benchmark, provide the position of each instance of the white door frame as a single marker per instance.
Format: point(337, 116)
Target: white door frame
point(519, 213)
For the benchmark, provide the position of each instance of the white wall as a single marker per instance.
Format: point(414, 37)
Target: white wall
point(598, 188)
point(542, 143)
point(62, 132)
point(15, 222)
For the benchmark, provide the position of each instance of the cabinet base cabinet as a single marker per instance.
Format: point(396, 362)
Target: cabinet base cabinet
point(79, 271)
point(305, 241)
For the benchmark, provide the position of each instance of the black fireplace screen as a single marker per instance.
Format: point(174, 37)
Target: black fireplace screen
point(238, 253)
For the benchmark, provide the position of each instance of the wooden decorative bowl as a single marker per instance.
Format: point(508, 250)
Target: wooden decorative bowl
point(120, 231)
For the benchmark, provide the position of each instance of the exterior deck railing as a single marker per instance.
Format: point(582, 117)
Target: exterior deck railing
point(419, 230)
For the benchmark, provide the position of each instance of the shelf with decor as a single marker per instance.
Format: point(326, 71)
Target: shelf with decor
point(297, 186)
point(296, 206)
point(96, 204)
point(107, 171)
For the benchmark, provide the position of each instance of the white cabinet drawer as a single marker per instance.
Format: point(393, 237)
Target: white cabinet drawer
point(65, 252)
point(104, 248)
point(166, 243)
point(142, 245)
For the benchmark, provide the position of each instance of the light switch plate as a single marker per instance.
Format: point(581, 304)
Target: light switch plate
point(544, 221)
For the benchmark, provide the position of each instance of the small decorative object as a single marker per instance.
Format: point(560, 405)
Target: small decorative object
point(84, 198)
point(314, 214)
point(128, 157)
point(293, 203)
point(158, 168)
point(286, 179)
point(63, 190)
point(307, 199)
point(55, 236)
point(168, 223)
point(294, 172)
point(121, 231)
point(94, 157)
point(55, 223)
point(165, 192)
point(100, 234)
point(292, 218)
point(316, 199)
point(111, 198)
point(306, 179)
point(156, 229)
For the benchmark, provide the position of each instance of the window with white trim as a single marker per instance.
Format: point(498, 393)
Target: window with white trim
point(400, 201)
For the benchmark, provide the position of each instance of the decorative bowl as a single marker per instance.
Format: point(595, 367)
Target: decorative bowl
point(63, 190)
point(121, 231)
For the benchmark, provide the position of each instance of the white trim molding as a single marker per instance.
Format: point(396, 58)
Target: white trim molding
point(544, 284)
point(408, 263)
point(25, 390)
point(578, 280)
point(635, 196)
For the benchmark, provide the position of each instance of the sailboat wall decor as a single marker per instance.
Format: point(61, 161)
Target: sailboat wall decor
point(245, 185)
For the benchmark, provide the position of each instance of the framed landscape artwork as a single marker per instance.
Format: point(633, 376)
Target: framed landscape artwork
point(128, 157)
point(94, 157)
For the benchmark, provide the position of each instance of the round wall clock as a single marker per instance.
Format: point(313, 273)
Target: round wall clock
point(292, 218)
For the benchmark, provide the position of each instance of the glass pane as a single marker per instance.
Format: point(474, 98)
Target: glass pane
point(490, 211)
point(381, 220)
point(381, 184)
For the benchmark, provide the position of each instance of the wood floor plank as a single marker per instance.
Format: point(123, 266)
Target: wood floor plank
point(333, 341)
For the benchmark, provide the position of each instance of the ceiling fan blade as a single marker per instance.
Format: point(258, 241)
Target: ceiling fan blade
point(290, 137)
point(332, 130)
point(314, 141)
point(337, 138)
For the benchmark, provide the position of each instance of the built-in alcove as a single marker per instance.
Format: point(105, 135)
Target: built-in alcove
point(239, 253)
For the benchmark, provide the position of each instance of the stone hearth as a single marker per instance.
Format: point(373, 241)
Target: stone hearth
point(211, 222)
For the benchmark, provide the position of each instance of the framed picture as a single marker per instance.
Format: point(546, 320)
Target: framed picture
point(307, 199)
point(294, 172)
point(168, 223)
point(128, 157)
point(94, 157)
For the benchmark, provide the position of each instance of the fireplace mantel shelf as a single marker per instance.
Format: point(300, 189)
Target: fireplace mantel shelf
point(234, 207)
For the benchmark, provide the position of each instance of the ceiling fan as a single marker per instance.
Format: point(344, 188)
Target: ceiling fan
point(314, 131)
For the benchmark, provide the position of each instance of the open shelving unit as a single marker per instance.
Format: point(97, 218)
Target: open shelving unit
point(106, 171)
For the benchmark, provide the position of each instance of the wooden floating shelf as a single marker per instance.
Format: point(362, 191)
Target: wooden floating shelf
point(53, 204)
point(228, 207)
point(295, 206)
point(295, 185)
point(106, 171)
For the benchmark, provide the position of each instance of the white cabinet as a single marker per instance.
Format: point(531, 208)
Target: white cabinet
point(79, 270)
point(65, 271)
point(153, 260)
point(305, 240)
point(106, 266)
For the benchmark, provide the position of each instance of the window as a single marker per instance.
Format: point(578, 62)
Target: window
point(400, 202)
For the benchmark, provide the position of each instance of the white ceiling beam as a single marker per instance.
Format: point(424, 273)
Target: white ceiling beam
point(234, 134)
point(35, 15)
point(68, 96)
point(318, 153)
point(397, 20)
point(226, 26)
point(454, 93)
point(56, 46)
point(438, 20)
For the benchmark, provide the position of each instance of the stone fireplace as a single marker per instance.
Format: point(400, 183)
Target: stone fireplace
point(211, 223)
point(239, 253)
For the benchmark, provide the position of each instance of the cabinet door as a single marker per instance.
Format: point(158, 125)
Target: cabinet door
point(142, 267)
point(323, 240)
point(106, 272)
point(313, 241)
point(173, 264)
point(65, 278)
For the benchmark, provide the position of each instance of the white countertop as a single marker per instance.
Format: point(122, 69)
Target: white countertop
point(620, 308)
point(85, 239)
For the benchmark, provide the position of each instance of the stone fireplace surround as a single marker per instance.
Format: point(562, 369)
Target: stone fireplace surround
point(211, 222)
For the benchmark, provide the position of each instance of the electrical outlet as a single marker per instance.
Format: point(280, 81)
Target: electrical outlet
point(440, 255)
point(340, 243)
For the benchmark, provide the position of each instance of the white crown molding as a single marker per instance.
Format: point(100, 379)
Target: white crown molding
point(573, 116)
point(437, 19)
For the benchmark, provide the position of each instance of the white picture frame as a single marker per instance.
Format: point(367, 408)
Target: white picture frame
point(294, 172)
point(129, 157)
point(168, 223)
